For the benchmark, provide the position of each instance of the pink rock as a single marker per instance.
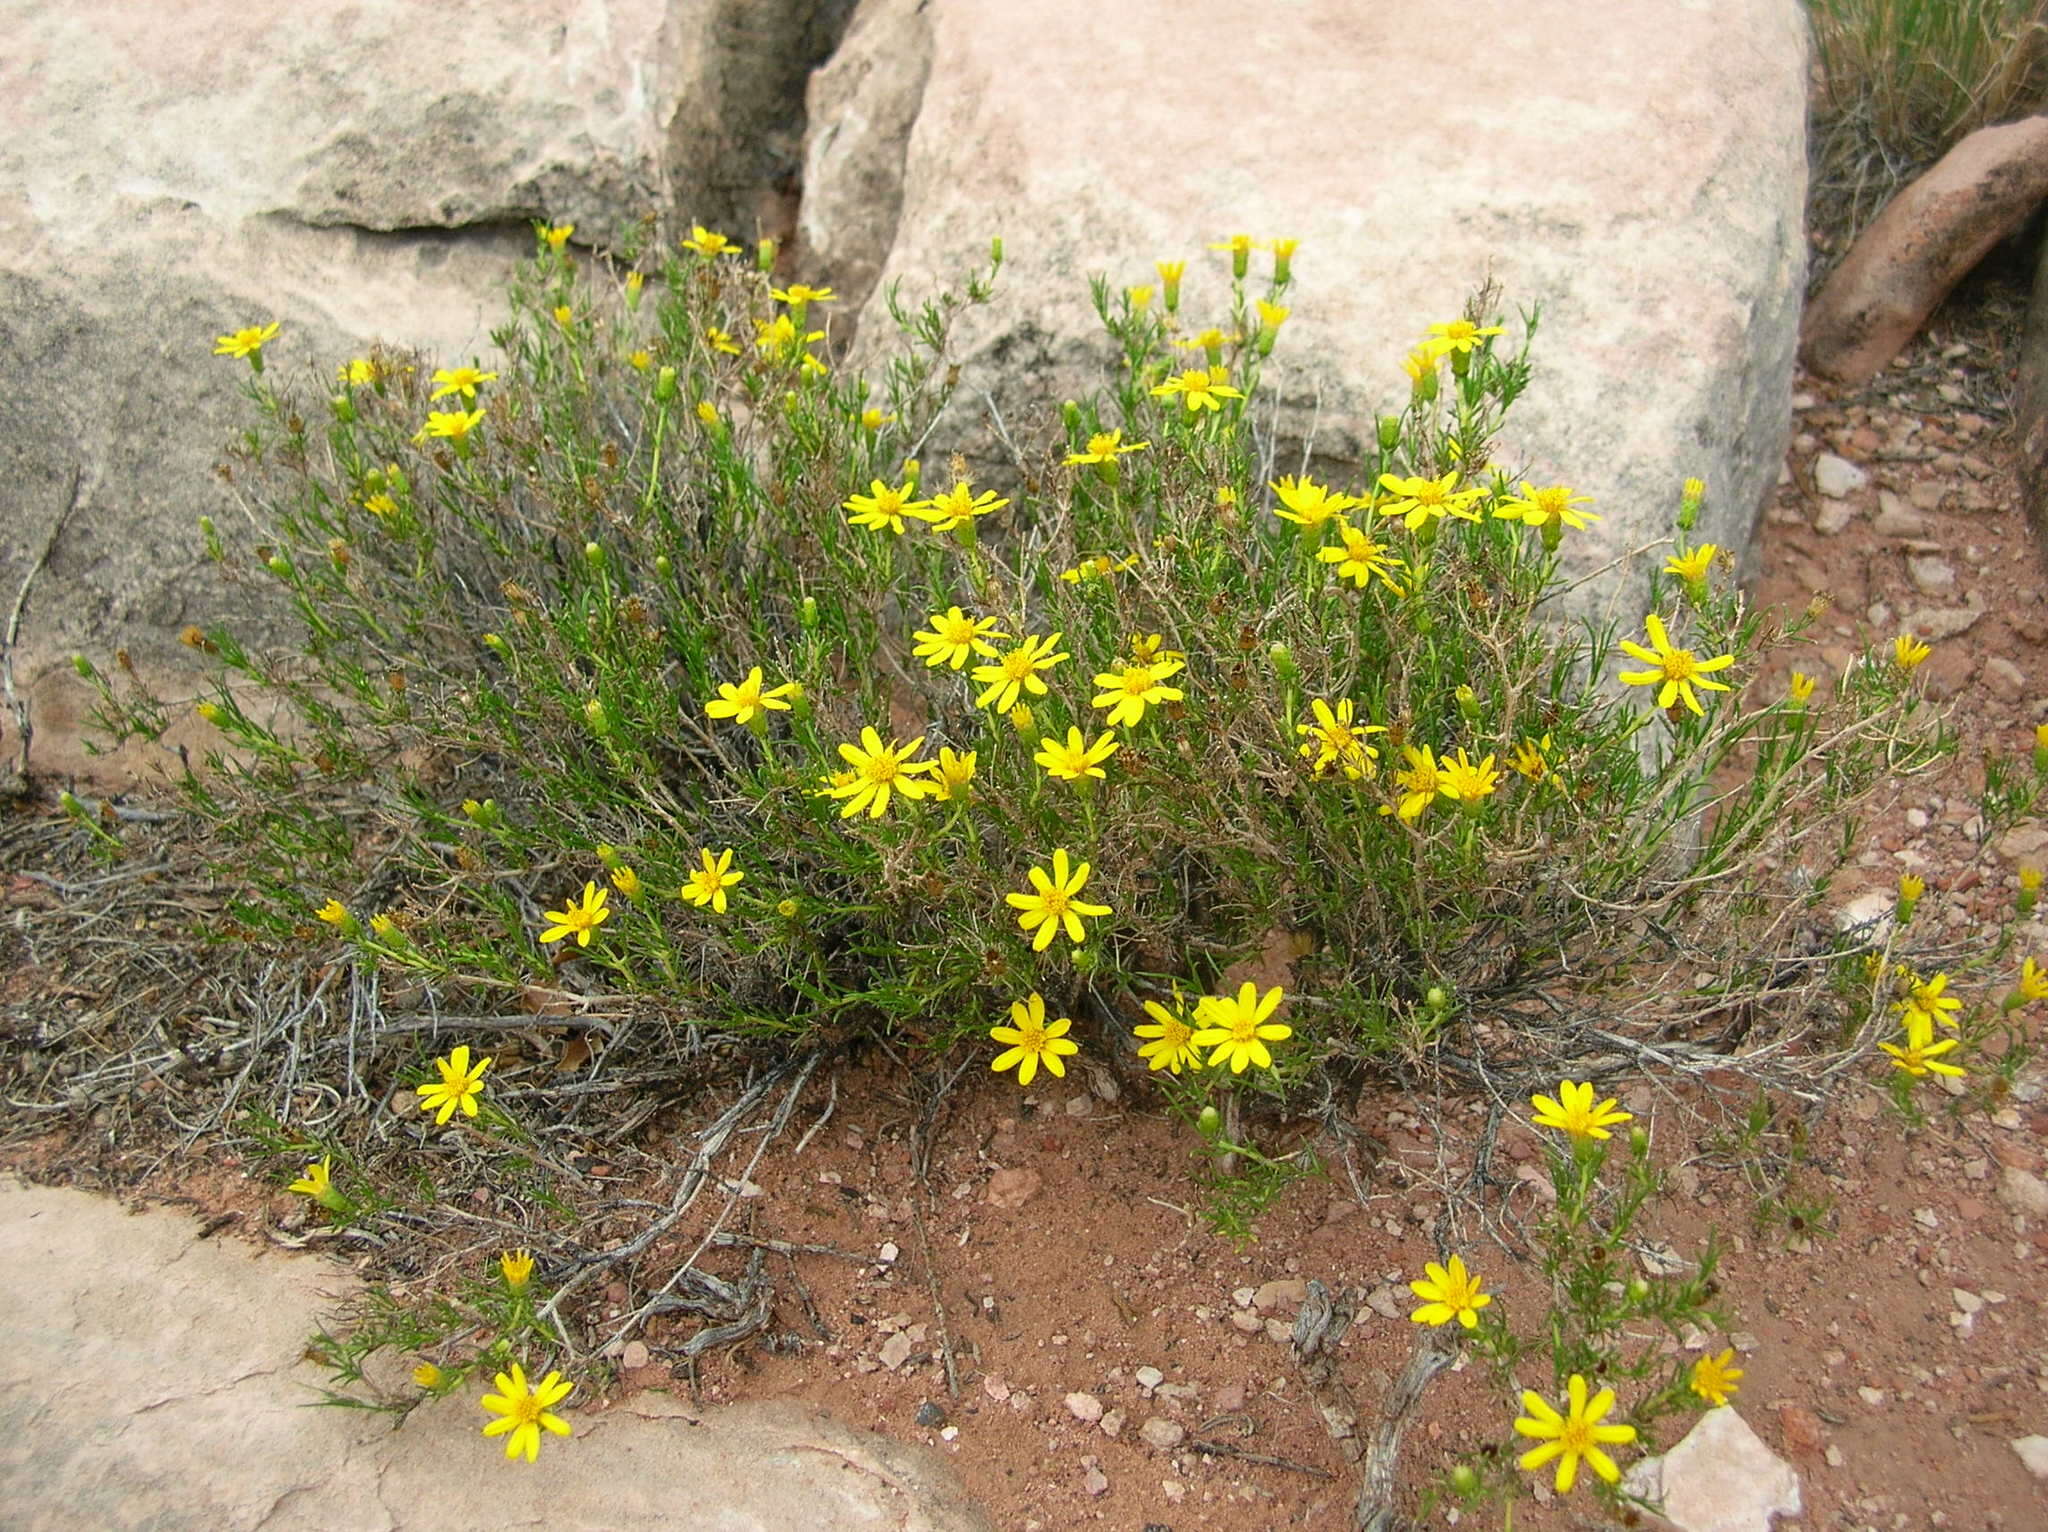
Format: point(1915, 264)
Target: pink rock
point(1925, 240)
point(1013, 1188)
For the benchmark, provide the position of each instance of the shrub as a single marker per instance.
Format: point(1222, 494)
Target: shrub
point(654, 662)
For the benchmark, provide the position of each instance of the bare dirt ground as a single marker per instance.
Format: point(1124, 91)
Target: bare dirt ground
point(1119, 1364)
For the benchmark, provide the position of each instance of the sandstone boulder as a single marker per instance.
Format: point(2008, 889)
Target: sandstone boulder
point(1647, 192)
point(359, 171)
point(149, 1378)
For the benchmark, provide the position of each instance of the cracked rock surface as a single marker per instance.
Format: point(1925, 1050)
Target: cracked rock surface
point(152, 1379)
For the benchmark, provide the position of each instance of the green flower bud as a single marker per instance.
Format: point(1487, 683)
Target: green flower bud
point(83, 666)
point(1070, 413)
point(593, 555)
point(1464, 1478)
point(764, 255)
point(1283, 664)
point(609, 855)
point(1468, 703)
point(995, 251)
point(1436, 999)
point(594, 714)
point(1638, 1290)
point(497, 646)
point(665, 385)
point(1639, 1141)
point(807, 614)
point(279, 565)
point(344, 409)
point(663, 565)
point(1210, 1123)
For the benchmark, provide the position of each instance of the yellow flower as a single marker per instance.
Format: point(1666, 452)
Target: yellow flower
point(1140, 298)
point(1463, 782)
point(1237, 1027)
point(787, 908)
point(1335, 740)
point(640, 360)
point(1449, 1292)
point(248, 342)
point(1714, 1377)
point(564, 315)
point(1543, 507)
point(1150, 649)
point(384, 928)
point(579, 919)
point(878, 771)
point(459, 1086)
point(957, 507)
point(1419, 502)
point(381, 505)
point(951, 775)
point(1692, 567)
point(427, 1375)
point(883, 508)
point(1927, 997)
point(707, 884)
point(450, 425)
point(1309, 504)
point(1105, 447)
point(1199, 389)
point(1420, 364)
point(1532, 758)
point(1055, 902)
point(459, 380)
point(708, 413)
point(1101, 567)
point(1420, 783)
point(524, 1412)
point(796, 295)
point(557, 236)
point(358, 371)
point(1573, 1435)
point(1461, 334)
point(1676, 672)
point(953, 636)
point(1032, 1040)
point(333, 913)
point(1171, 272)
point(2030, 878)
point(874, 419)
point(1799, 687)
point(1173, 1040)
point(1908, 651)
point(1076, 760)
point(720, 340)
point(1129, 691)
point(1362, 559)
point(1574, 1112)
point(517, 1269)
point(1921, 1054)
point(703, 242)
point(2033, 983)
point(318, 1180)
point(747, 701)
point(1017, 670)
point(1271, 315)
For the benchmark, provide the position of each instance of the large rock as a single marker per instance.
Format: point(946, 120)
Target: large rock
point(363, 170)
point(152, 1379)
point(1647, 193)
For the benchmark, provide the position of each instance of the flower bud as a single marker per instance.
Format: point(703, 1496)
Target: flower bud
point(665, 385)
point(786, 908)
point(764, 255)
point(1910, 890)
point(2041, 749)
point(1464, 1478)
point(1689, 499)
point(83, 666)
point(635, 280)
point(1638, 1290)
point(344, 409)
point(1436, 999)
point(995, 251)
point(207, 531)
point(594, 714)
point(1070, 415)
point(213, 713)
point(664, 565)
point(1283, 664)
point(1468, 704)
point(279, 565)
point(807, 614)
point(1638, 1141)
point(497, 646)
point(1021, 719)
point(593, 555)
point(1210, 1123)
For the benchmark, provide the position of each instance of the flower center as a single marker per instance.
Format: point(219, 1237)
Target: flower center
point(961, 632)
point(1056, 903)
point(1244, 1027)
point(1018, 666)
point(1576, 1437)
point(1137, 681)
point(1031, 1037)
point(1679, 666)
point(1549, 501)
point(526, 1411)
point(1431, 493)
point(881, 769)
point(889, 503)
point(1102, 446)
